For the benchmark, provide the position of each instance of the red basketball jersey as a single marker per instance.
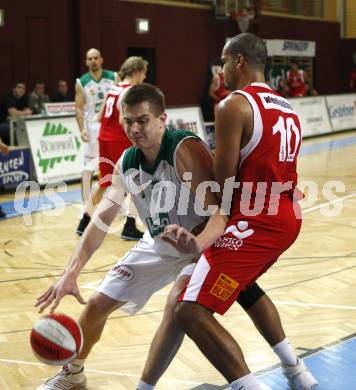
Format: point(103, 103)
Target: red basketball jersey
point(111, 129)
point(296, 83)
point(268, 163)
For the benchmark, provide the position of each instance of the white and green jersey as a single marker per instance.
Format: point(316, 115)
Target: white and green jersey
point(94, 92)
point(160, 196)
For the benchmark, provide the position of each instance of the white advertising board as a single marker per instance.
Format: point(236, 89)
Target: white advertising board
point(56, 149)
point(187, 118)
point(342, 111)
point(65, 108)
point(313, 115)
point(288, 48)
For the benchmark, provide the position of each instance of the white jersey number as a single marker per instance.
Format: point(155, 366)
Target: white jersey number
point(287, 128)
point(109, 106)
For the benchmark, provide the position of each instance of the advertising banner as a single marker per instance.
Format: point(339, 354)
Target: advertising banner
point(342, 111)
point(313, 114)
point(64, 108)
point(290, 48)
point(56, 149)
point(187, 118)
point(14, 167)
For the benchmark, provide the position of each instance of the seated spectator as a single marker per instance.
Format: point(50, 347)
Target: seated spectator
point(310, 90)
point(38, 98)
point(15, 104)
point(62, 95)
point(282, 88)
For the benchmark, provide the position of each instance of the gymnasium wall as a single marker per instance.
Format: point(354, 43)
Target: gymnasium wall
point(328, 77)
point(47, 39)
point(36, 42)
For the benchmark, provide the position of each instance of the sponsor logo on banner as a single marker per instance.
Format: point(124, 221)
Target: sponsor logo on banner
point(313, 115)
point(224, 287)
point(187, 118)
point(280, 47)
point(57, 144)
point(342, 111)
point(60, 108)
point(56, 149)
point(14, 168)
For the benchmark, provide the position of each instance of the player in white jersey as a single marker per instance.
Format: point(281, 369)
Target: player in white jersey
point(90, 90)
point(154, 169)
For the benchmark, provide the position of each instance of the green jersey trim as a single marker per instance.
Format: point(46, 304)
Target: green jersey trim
point(171, 138)
point(87, 77)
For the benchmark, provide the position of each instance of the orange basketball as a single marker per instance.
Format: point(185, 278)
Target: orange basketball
point(56, 339)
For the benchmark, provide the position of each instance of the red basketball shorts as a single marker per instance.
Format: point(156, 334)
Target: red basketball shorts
point(245, 251)
point(109, 152)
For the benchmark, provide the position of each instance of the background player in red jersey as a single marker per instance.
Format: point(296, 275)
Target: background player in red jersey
point(258, 137)
point(295, 81)
point(217, 90)
point(113, 142)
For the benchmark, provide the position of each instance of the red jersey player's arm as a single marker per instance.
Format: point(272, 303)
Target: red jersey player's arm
point(232, 116)
point(194, 157)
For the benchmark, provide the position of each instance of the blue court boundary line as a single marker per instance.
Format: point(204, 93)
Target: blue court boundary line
point(74, 196)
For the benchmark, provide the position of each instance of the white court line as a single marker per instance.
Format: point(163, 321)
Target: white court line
point(319, 206)
point(293, 303)
point(98, 371)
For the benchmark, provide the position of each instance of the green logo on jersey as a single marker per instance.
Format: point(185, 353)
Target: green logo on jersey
point(156, 229)
point(56, 145)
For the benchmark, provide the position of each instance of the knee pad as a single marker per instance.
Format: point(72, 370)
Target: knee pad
point(250, 296)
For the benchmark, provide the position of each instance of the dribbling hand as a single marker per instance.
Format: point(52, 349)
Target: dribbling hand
point(66, 285)
point(181, 239)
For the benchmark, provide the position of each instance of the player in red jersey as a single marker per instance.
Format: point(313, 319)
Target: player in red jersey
point(113, 142)
point(296, 81)
point(258, 136)
point(217, 90)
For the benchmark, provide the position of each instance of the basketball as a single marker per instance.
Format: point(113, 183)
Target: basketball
point(56, 339)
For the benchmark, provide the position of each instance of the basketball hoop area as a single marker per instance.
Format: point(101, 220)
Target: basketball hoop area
point(243, 11)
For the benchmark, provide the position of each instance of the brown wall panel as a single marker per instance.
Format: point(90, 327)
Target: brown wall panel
point(6, 68)
point(327, 38)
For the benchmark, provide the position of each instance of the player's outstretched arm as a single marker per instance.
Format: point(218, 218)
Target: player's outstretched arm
point(90, 241)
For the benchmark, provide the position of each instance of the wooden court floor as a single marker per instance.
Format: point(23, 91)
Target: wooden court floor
point(312, 285)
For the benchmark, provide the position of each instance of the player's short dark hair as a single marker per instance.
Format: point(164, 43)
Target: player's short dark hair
point(145, 92)
point(249, 46)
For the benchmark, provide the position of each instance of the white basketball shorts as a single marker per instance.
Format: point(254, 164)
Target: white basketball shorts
point(140, 273)
point(91, 148)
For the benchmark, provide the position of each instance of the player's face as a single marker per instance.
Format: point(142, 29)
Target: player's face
point(142, 126)
point(94, 60)
point(229, 69)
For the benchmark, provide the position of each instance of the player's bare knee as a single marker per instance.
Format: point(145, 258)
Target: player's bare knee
point(186, 314)
point(100, 306)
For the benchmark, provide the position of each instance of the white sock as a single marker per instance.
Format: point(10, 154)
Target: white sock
point(76, 365)
point(247, 382)
point(144, 386)
point(285, 352)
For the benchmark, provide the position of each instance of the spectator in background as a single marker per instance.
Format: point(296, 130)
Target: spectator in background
point(310, 90)
point(352, 83)
point(295, 81)
point(217, 90)
point(62, 94)
point(38, 98)
point(282, 88)
point(15, 104)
